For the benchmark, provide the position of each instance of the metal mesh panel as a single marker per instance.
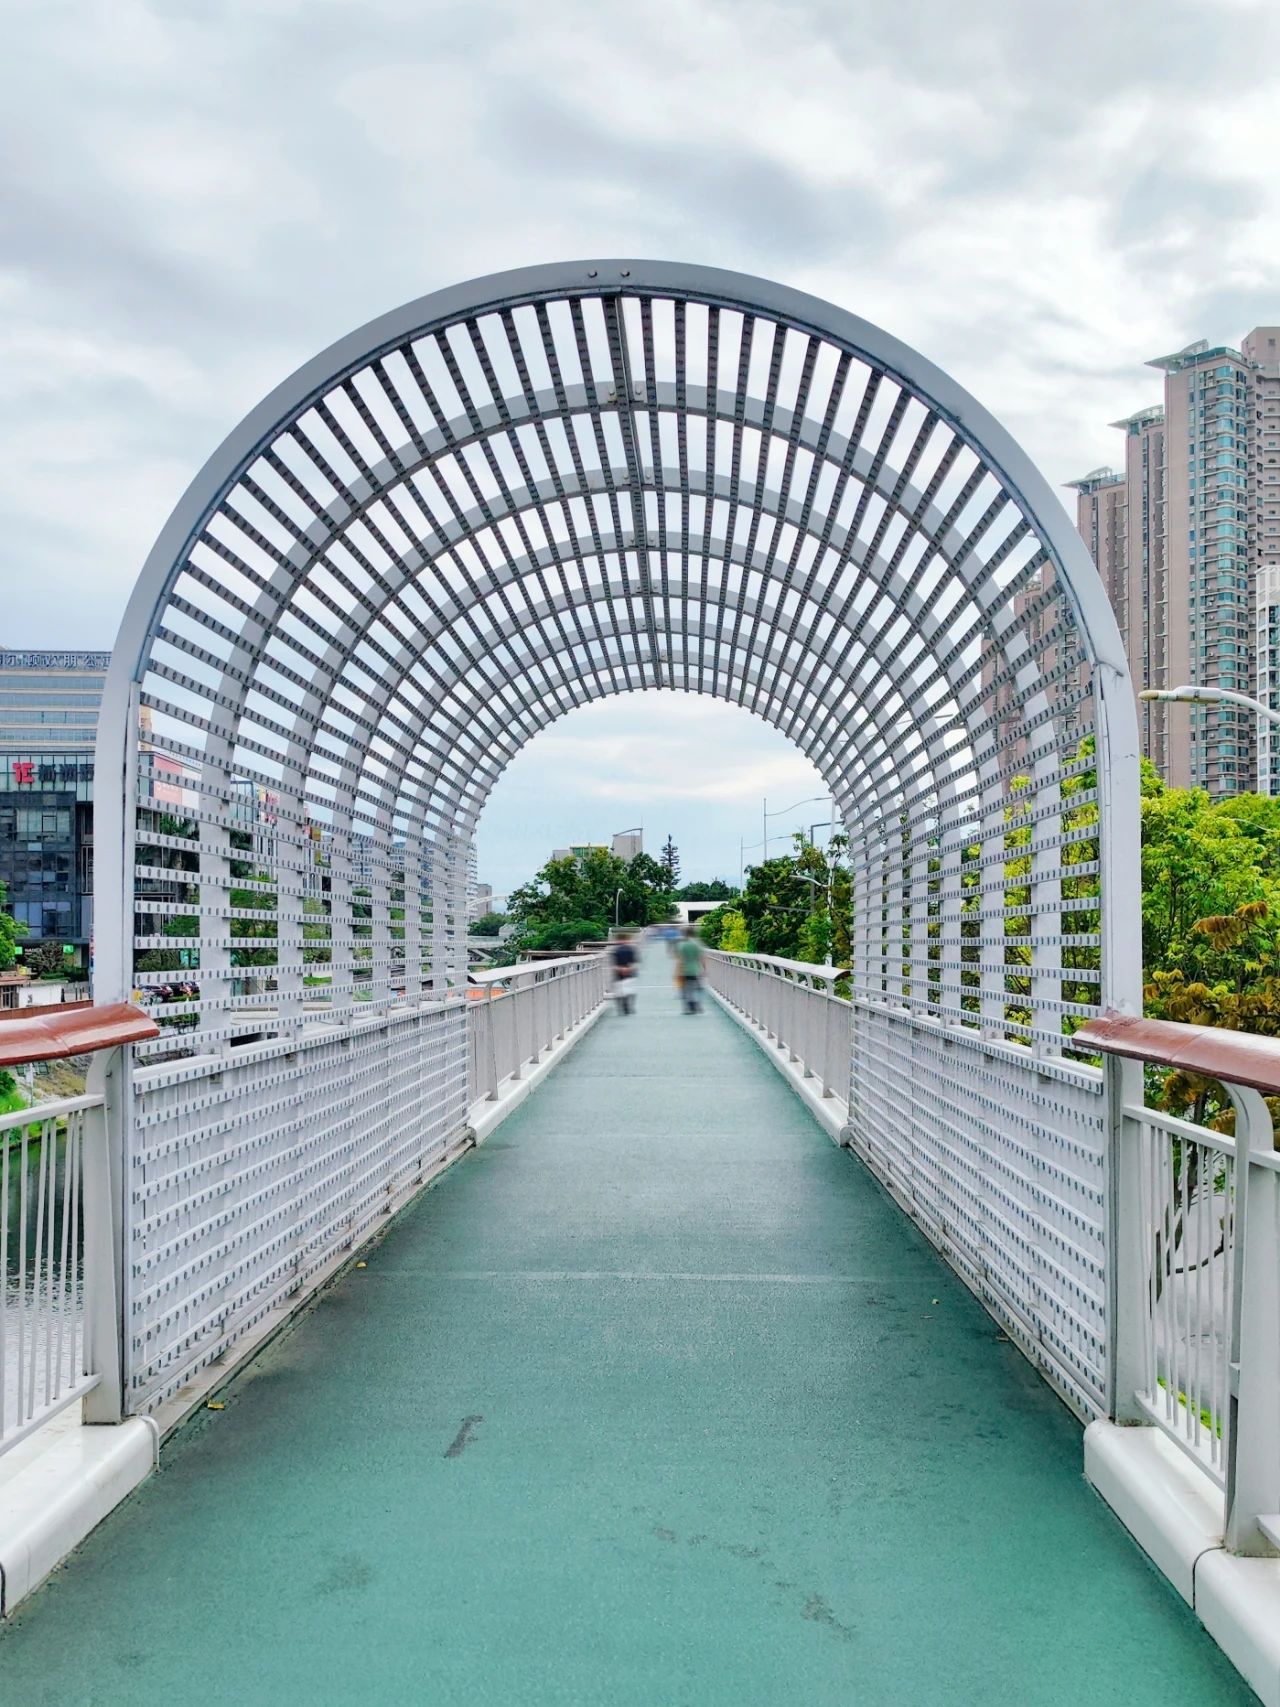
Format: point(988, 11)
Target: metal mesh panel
point(247, 1179)
point(1000, 1159)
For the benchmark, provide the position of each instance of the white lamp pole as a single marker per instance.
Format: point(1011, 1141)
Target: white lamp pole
point(1212, 696)
point(1215, 696)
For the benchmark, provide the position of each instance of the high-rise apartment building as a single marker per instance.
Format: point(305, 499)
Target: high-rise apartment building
point(1206, 405)
point(1197, 496)
point(1267, 687)
point(1262, 351)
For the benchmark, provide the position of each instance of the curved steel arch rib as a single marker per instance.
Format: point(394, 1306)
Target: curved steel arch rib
point(509, 498)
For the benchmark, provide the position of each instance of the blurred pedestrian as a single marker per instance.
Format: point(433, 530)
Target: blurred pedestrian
point(623, 961)
point(690, 956)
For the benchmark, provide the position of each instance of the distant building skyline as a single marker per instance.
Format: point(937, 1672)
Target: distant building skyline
point(1180, 536)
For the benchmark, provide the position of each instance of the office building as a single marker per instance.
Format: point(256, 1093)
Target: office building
point(628, 843)
point(578, 850)
point(48, 721)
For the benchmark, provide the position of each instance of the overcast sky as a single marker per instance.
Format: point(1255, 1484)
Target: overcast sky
point(196, 196)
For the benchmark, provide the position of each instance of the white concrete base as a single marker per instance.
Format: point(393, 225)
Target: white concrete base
point(1238, 1602)
point(1171, 1509)
point(486, 1116)
point(57, 1486)
point(1174, 1513)
point(831, 1113)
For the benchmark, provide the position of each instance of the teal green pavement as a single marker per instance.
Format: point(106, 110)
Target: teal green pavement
point(654, 1399)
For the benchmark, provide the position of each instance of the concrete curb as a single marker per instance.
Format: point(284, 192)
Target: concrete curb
point(1174, 1513)
point(831, 1113)
point(53, 1501)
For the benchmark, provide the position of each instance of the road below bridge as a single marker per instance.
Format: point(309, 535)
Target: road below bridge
point(653, 1399)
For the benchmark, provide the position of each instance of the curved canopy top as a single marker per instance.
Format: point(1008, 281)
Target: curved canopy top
point(516, 495)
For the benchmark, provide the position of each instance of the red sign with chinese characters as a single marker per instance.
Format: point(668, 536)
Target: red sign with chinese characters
point(24, 770)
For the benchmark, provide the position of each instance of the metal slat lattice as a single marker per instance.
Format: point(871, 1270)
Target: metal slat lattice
point(508, 500)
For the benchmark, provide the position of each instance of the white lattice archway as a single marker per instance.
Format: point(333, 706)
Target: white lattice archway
point(515, 496)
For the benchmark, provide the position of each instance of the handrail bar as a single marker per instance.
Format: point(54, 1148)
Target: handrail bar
point(49, 1034)
point(1212, 1051)
point(52, 1109)
point(527, 968)
point(809, 968)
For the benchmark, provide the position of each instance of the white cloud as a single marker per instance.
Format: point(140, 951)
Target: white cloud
point(196, 198)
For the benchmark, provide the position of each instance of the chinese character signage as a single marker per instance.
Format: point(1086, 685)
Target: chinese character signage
point(45, 772)
point(54, 660)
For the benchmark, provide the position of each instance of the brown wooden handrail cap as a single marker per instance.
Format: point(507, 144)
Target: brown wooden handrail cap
point(76, 1028)
point(1212, 1051)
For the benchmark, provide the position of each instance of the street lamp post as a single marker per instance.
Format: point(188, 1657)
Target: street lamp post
point(1212, 696)
point(1193, 695)
point(781, 812)
point(744, 848)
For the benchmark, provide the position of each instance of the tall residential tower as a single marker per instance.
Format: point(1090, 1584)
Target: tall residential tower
point(1183, 569)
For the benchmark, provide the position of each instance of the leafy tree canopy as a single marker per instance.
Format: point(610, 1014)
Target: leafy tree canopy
point(488, 924)
point(11, 933)
point(599, 888)
point(716, 890)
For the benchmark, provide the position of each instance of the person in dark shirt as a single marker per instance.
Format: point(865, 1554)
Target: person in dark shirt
point(623, 960)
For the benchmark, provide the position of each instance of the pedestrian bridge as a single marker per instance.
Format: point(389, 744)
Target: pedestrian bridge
point(658, 1394)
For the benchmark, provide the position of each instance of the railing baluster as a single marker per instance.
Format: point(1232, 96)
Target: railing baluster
point(1253, 1444)
point(42, 1299)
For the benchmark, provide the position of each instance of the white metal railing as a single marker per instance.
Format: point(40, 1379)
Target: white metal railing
point(522, 1011)
point(1194, 1269)
point(46, 1360)
point(1188, 1217)
point(794, 1004)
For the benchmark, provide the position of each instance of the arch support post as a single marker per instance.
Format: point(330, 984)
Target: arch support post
point(1126, 1244)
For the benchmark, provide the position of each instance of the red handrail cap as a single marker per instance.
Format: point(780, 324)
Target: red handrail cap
point(75, 1028)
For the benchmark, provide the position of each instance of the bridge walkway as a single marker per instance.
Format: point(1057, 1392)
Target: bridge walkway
point(653, 1399)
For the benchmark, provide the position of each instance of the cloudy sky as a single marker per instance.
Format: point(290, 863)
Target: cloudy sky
point(197, 195)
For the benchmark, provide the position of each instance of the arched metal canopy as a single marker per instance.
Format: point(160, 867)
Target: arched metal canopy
point(512, 497)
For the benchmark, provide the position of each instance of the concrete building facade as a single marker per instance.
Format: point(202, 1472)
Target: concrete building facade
point(1180, 536)
point(1267, 655)
point(48, 722)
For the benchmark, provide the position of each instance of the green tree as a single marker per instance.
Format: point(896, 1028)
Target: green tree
point(44, 959)
point(716, 890)
point(488, 924)
point(1198, 861)
point(799, 905)
point(566, 935)
point(670, 862)
point(11, 933)
point(734, 938)
point(599, 888)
